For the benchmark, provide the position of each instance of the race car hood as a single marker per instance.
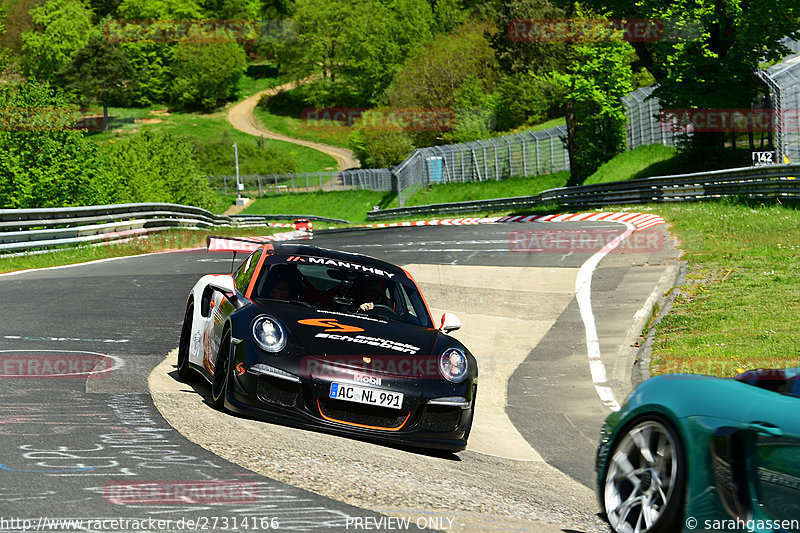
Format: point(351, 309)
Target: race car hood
point(346, 338)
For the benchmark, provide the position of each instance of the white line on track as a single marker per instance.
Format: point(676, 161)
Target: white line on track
point(583, 294)
point(61, 339)
point(106, 260)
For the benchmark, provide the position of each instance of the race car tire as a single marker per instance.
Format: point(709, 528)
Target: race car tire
point(219, 386)
point(644, 486)
point(185, 372)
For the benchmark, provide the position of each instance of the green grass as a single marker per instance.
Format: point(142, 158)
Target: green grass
point(321, 131)
point(484, 190)
point(552, 123)
point(644, 161)
point(166, 240)
point(739, 307)
point(348, 205)
point(259, 77)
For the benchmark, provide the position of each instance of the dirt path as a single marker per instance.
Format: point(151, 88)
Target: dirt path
point(242, 118)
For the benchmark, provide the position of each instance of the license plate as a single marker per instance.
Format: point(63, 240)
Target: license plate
point(366, 395)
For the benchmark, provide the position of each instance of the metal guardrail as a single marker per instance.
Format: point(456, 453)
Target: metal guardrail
point(30, 229)
point(255, 218)
point(751, 182)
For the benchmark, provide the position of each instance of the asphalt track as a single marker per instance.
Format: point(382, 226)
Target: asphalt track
point(67, 443)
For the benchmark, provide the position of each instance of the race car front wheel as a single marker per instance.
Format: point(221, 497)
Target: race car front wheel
point(644, 485)
point(185, 372)
point(219, 387)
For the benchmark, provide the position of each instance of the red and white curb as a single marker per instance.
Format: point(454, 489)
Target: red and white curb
point(640, 221)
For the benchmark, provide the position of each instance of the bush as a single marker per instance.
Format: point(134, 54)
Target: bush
point(43, 162)
point(376, 143)
point(256, 156)
point(153, 167)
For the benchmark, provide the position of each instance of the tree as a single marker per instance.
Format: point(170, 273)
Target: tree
point(474, 113)
point(432, 75)
point(152, 67)
point(516, 52)
point(100, 73)
point(60, 28)
point(231, 9)
point(526, 98)
point(355, 47)
point(600, 75)
point(378, 44)
point(5, 54)
point(206, 74)
point(44, 161)
point(721, 45)
point(159, 10)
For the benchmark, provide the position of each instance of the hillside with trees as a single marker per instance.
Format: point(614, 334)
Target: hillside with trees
point(460, 58)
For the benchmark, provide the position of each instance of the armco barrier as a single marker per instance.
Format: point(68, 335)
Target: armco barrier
point(31, 229)
point(752, 182)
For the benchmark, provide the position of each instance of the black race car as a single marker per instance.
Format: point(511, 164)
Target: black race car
point(329, 340)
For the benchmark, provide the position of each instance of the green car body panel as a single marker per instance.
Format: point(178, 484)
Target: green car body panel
point(741, 444)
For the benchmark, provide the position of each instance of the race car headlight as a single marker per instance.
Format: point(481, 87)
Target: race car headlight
point(268, 334)
point(453, 365)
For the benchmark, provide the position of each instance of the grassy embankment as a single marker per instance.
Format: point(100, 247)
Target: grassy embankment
point(738, 309)
point(212, 136)
point(642, 161)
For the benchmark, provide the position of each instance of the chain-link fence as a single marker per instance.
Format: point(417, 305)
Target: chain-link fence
point(783, 82)
point(255, 184)
point(643, 112)
point(520, 154)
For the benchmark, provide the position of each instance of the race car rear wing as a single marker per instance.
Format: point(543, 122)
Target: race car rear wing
point(236, 244)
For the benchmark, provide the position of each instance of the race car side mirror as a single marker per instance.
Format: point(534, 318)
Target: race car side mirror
point(223, 284)
point(450, 322)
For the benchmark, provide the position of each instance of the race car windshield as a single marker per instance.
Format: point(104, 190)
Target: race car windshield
point(343, 290)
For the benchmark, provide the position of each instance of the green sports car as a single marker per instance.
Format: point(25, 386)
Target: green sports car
point(699, 453)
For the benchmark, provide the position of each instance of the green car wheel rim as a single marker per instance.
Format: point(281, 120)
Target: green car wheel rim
point(641, 477)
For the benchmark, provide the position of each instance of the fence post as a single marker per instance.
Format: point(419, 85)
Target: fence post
point(308, 188)
point(259, 185)
point(225, 184)
point(475, 165)
point(538, 155)
point(496, 162)
point(524, 155)
point(510, 164)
